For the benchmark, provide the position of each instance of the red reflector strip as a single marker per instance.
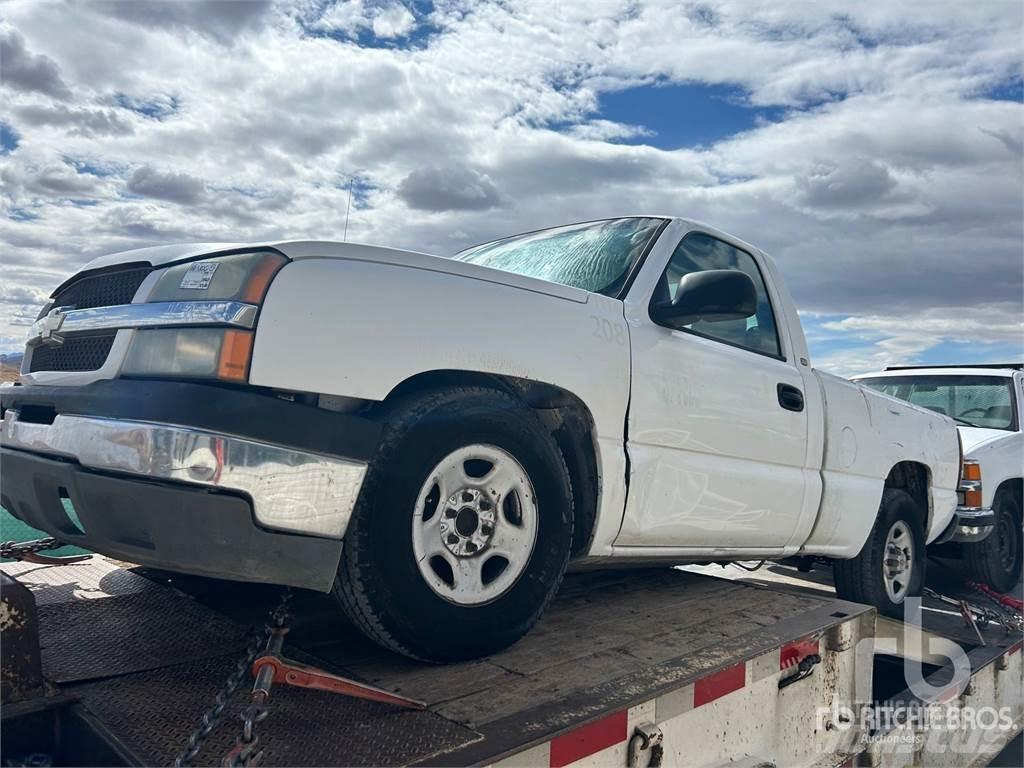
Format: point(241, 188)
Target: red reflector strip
point(792, 653)
point(588, 739)
point(715, 686)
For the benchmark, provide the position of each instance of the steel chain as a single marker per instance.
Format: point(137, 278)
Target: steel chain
point(12, 550)
point(257, 639)
point(982, 613)
point(214, 713)
point(247, 751)
point(1004, 615)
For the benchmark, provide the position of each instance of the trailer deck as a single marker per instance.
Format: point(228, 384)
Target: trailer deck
point(146, 653)
point(138, 656)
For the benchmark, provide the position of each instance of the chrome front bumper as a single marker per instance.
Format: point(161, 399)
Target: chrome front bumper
point(969, 525)
point(290, 490)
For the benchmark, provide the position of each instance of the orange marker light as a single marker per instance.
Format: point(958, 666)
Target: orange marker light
point(260, 277)
point(970, 485)
point(972, 470)
point(235, 351)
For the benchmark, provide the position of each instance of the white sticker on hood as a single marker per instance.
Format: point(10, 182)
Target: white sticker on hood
point(199, 275)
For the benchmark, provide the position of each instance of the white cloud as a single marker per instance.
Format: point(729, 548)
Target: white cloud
point(892, 339)
point(607, 130)
point(349, 17)
point(393, 21)
point(25, 71)
point(888, 187)
point(165, 185)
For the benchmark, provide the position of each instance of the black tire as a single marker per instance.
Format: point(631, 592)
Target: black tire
point(996, 560)
point(862, 579)
point(379, 583)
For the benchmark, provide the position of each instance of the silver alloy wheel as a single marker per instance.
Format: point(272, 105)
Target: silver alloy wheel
point(475, 524)
point(898, 561)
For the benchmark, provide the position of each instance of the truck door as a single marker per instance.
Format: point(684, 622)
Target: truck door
point(717, 422)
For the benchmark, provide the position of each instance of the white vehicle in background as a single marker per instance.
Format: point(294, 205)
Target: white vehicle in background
point(435, 439)
point(987, 403)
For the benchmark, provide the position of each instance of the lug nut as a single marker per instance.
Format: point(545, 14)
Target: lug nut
point(486, 530)
point(470, 547)
point(453, 539)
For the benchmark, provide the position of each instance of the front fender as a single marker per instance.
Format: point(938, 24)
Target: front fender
point(358, 329)
point(1000, 460)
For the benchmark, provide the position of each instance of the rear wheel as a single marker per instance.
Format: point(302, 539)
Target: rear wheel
point(462, 531)
point(890, 566)
point(996, 560)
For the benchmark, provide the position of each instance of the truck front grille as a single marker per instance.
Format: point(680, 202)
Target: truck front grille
point(102, 290)
point(77, 353)
point(88, 352)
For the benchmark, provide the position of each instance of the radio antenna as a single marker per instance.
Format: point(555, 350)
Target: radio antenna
point(344, 237)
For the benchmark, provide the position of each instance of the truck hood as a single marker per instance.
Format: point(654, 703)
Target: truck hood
point(162, 255)
point(976, 437)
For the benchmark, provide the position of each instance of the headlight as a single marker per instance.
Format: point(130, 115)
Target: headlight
point(239, 277)
point(193, 353)
point(205, 353)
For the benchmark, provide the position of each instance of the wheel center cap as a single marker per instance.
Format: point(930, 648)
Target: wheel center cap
point(896, 561)
point(467, 522)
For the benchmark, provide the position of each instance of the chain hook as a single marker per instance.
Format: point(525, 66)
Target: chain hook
point(243, 750)
point(28, 551)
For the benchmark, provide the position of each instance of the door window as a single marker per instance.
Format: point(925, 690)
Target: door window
point(698, 252)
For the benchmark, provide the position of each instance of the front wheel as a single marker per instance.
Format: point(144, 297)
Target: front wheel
point(890, 566)
point(996, 559)
point(462, 530)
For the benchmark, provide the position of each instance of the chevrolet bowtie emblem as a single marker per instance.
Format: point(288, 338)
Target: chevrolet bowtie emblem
point(46, 327)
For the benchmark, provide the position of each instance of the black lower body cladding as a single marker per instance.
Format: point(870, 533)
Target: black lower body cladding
point(164, 525)
point(249, 413)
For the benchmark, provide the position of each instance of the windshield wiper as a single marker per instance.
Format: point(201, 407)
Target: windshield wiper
point(965, 422)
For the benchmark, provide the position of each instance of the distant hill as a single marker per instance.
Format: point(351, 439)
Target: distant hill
point(10, 366)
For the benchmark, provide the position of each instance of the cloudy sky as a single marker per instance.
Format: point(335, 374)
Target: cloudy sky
point(874, 148)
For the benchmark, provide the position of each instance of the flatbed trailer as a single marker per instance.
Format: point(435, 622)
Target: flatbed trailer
point(654, 667)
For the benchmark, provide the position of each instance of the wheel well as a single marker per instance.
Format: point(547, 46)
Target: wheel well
point(1015, 487)
point(563, 413)
point(915, 479)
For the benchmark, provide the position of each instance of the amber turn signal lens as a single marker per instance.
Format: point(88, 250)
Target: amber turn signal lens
point(972, 470)
point(259, 279)
point(972, 498)
point(235, 351)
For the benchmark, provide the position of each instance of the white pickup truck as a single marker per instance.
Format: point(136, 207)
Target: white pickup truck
point(987, 403)
point(436, 439)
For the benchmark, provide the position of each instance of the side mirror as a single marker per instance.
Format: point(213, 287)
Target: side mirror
point(713, 296)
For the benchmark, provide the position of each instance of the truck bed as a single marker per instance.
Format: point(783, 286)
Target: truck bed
point(147, 652)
